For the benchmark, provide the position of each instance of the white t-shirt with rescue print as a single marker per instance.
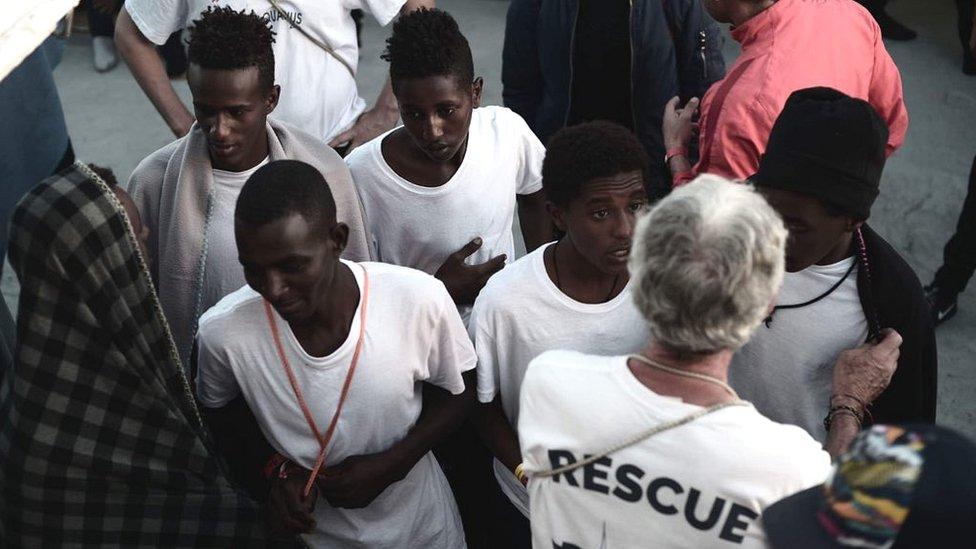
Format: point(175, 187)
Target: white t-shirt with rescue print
point(703, 484)
point(519, 315)
point(318, 95)
point(413, 335)
point(419, 227)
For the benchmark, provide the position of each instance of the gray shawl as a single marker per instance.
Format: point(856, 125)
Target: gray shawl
point(172, 189)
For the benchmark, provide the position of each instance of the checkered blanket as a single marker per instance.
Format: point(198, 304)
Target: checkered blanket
point(100, 439)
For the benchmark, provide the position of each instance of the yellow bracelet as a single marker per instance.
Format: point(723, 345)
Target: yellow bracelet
point(520, 472)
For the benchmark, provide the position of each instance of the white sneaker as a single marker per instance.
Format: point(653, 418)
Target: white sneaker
point(103, 50)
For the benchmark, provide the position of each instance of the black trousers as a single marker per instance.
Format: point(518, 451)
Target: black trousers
point(959, 255)
point(965, 22)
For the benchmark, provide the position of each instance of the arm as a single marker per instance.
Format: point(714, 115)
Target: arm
point(521, 73)
point(534, 220)
point(498, 434)
point(885, 95)
point(240, 443)
point(385, 112)
point(358, 480)
point(147, 67)
point(678, 130)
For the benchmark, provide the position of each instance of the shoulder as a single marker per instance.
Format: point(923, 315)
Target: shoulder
point(501, 118)
point(238, 308)
point(411, 285)
point(782, 449)
point(557, 371)
point(515, 280)
point(364, 157)
point(149, 172)
point(896, 287)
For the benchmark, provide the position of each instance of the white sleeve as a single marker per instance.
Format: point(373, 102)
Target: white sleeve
point(383, 10)
point(531, 154)
point(157, 19)
point(216, 383)
point(532, 416)
point(451, 352)
point(486, 350)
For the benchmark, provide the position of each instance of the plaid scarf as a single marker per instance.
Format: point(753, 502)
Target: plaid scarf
point(100, 439)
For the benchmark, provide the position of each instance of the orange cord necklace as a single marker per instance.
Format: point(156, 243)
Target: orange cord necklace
point(323, 440)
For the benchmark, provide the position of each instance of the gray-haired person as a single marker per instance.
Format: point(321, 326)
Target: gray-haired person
point(657, 445)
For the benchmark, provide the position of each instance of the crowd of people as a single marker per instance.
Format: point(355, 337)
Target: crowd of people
point(301, 325)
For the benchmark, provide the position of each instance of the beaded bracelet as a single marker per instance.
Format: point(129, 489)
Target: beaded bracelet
point(520, 473)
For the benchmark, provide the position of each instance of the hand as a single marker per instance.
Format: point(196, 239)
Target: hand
point(105, 6)
point(358, 480)
point(464, 281)
point(289, 512)
point(679, 124)
point(369, 125)
point(865, 372)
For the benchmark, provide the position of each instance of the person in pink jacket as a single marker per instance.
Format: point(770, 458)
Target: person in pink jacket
point(787, 45)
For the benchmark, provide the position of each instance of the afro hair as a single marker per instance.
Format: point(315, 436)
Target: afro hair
point(582, 153)
point(227, 39)
point(281, 188)
point(428, 42)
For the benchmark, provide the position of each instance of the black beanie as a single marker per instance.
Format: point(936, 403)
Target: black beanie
point(828, 145)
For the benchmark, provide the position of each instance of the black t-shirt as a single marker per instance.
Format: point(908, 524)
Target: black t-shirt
point(601, 85)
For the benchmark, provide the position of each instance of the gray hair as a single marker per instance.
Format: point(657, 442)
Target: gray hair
point(707, 263)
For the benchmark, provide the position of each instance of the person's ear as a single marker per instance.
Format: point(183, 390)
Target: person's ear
point(272, 102)
point(476, 88)
point(339, 237)
point(557, 215)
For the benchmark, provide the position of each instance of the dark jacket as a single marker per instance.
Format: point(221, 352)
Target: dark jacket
point(892, 297)
point(675, 50)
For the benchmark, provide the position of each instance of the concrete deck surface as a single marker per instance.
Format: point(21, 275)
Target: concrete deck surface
point(113, 124)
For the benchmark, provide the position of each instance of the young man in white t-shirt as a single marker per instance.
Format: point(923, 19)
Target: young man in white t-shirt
point(440, 192)
point(186, 190)
point(319, 86)
point(314, 341)
point(570, 294)
point(844, 284)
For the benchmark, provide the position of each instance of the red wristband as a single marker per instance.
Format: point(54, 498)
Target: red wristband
point(676, 151)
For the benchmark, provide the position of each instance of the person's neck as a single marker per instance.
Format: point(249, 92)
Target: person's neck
point(745, 11)
point(693, 391)
point(328, 327)
point(840, 252)
point(580, 279)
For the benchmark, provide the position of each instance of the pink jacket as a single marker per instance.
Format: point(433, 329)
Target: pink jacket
point(794, 44)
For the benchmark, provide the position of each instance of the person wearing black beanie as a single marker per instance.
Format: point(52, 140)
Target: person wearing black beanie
point(845, 286)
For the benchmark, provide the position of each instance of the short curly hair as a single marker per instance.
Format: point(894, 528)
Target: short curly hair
point(224, 38)
point(579, 154)
point(427, 42)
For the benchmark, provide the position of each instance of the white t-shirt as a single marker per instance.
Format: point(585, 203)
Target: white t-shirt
point(223, 273)
point(418, 227)
point(786, 369)
point(318, 94)
point(703, 484)
point(519, 315)
point(413, 335)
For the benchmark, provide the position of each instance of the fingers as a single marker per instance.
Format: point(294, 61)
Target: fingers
point(468, 249)
point(343, 137)
point(890, 343)
point(690, 109)
point(672, 105)
point(493, 265)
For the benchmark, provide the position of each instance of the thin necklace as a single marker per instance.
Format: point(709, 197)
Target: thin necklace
point(693, 375)
point(555, 271)
point(769, 319)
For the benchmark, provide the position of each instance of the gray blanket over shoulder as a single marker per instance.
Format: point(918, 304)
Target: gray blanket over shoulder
point(172, 188)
